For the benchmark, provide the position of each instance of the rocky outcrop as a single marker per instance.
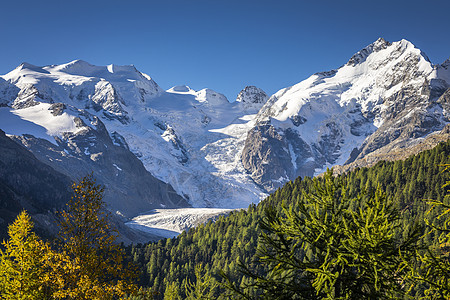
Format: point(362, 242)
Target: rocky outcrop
point(387, 97)
point(129, 187)
point(397, 151)
point(266, 157)
point(252, 94)
point(26, 183)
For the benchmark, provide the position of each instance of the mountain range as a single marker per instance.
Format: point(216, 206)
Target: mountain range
point(180, 147)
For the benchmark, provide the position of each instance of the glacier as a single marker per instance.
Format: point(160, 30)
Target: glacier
point(228, 154)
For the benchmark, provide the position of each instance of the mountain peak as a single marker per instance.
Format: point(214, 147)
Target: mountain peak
point(380, 43)
point(360, 56)
point(75, 67)
point(30, 67)
point(82, 68)
point(211, 97)
point(77, 63)
point(252, 94)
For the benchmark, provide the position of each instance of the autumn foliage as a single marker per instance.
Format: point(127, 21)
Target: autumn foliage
point(84, 263)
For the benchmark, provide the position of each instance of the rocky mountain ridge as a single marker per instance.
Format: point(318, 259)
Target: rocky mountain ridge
point(181, 147)
point(387, 93)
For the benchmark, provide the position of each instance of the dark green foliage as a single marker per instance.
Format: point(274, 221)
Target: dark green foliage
point(329, 245)
point(433, 275)
point(234, 239)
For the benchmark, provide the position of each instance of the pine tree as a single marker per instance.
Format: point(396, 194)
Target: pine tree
point(203, 288)
point(435, 262)
point(172, 291)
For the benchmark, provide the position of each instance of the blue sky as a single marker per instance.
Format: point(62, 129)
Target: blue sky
point(222, 45)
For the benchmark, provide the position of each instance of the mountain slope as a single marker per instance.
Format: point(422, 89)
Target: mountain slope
point(386, 93)
point(183, 137)
point(42, 114)
point(27, 183)
point(222, 244)
point(208, 152)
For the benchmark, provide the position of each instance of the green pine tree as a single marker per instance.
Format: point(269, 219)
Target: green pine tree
point(434, 268)
point(203, 288)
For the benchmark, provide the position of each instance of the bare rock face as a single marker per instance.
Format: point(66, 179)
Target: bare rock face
point(26, 183)
point(266, 157)
point(397, 151)
point(57, 109)
point(8, 92)
point(444, 101)
point(252, 94)
point(273, 157)
point(129, 188)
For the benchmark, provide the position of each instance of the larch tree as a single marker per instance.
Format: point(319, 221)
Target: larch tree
point(24, 272)
point(329, 245)
point(94, 266)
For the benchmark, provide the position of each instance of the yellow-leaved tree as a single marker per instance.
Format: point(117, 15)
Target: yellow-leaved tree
point(93, 264)
point(24, 272)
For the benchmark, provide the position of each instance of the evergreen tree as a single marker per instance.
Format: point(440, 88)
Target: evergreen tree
point(203, 288)
point(172, 291)
point(434, 268)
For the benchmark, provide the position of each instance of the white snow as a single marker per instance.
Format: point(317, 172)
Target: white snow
point(329, 97)
point(111, 68)
point(13, 124)
point(293, 156)
point(37, 121)
point(171, 222)
point(209, 131)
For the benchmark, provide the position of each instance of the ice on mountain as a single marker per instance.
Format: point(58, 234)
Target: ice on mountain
point(194, 140)
point(211, 97)
point(111, 69)
point(361, 55)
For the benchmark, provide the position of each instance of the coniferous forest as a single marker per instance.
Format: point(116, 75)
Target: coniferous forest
point(373, 233)
point(260, 252)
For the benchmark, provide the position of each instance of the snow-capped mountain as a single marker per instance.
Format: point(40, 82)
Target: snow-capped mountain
point(57, 114)
point(206, 151)
point(82, 118)
point(386, 93)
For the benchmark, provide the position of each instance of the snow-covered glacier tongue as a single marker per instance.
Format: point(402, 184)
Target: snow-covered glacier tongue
point(387, 93)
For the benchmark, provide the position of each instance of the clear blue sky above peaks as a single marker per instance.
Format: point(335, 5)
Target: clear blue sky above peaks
point(223, 45)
